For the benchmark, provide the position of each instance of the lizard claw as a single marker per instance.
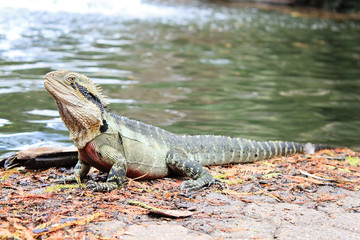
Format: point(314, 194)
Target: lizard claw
point(220, 184)
point(59, 181)
point(64, 180)
point(192, 186)
point(101, 186)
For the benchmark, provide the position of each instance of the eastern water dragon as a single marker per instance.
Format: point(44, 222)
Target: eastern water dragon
point(124, 147)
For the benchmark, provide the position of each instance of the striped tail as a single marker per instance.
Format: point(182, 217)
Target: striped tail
point(270, 149)
point(255, 151)
point(219, 150)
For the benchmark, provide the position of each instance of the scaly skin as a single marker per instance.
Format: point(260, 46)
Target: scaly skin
point(125, 147)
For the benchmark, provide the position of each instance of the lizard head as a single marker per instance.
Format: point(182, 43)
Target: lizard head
point(80, 103)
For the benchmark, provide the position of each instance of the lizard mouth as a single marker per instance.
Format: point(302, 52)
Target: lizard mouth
point(50, 86)
point(55, 89)
point(49, 79)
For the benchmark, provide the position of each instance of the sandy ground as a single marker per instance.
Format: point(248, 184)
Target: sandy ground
point(223, 217)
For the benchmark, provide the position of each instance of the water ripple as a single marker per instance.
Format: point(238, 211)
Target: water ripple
point(189, 67)
point(25, 140)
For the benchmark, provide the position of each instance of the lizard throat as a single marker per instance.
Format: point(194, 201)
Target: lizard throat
point(83, 124)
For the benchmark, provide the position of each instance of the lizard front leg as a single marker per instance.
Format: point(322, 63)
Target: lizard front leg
point(81, 169)
point(117, 174)
point(178, 161)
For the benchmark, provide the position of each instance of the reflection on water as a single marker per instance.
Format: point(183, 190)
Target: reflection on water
point(195, 68)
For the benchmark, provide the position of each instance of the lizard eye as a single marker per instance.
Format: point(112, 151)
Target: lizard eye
point(70, 79)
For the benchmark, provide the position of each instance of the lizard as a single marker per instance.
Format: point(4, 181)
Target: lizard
point(128, 148)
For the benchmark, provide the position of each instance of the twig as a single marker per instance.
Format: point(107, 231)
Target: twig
point(162, 212)
point(313, 176)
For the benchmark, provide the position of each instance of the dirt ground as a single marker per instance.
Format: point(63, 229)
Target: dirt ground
point(298, 197)
point(222, 217)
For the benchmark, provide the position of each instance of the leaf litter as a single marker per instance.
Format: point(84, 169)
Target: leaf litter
point(31, 207)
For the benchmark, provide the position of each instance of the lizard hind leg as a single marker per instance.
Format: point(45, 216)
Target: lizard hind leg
point(178, 161)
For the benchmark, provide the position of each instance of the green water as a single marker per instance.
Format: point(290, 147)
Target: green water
point(195, 69)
